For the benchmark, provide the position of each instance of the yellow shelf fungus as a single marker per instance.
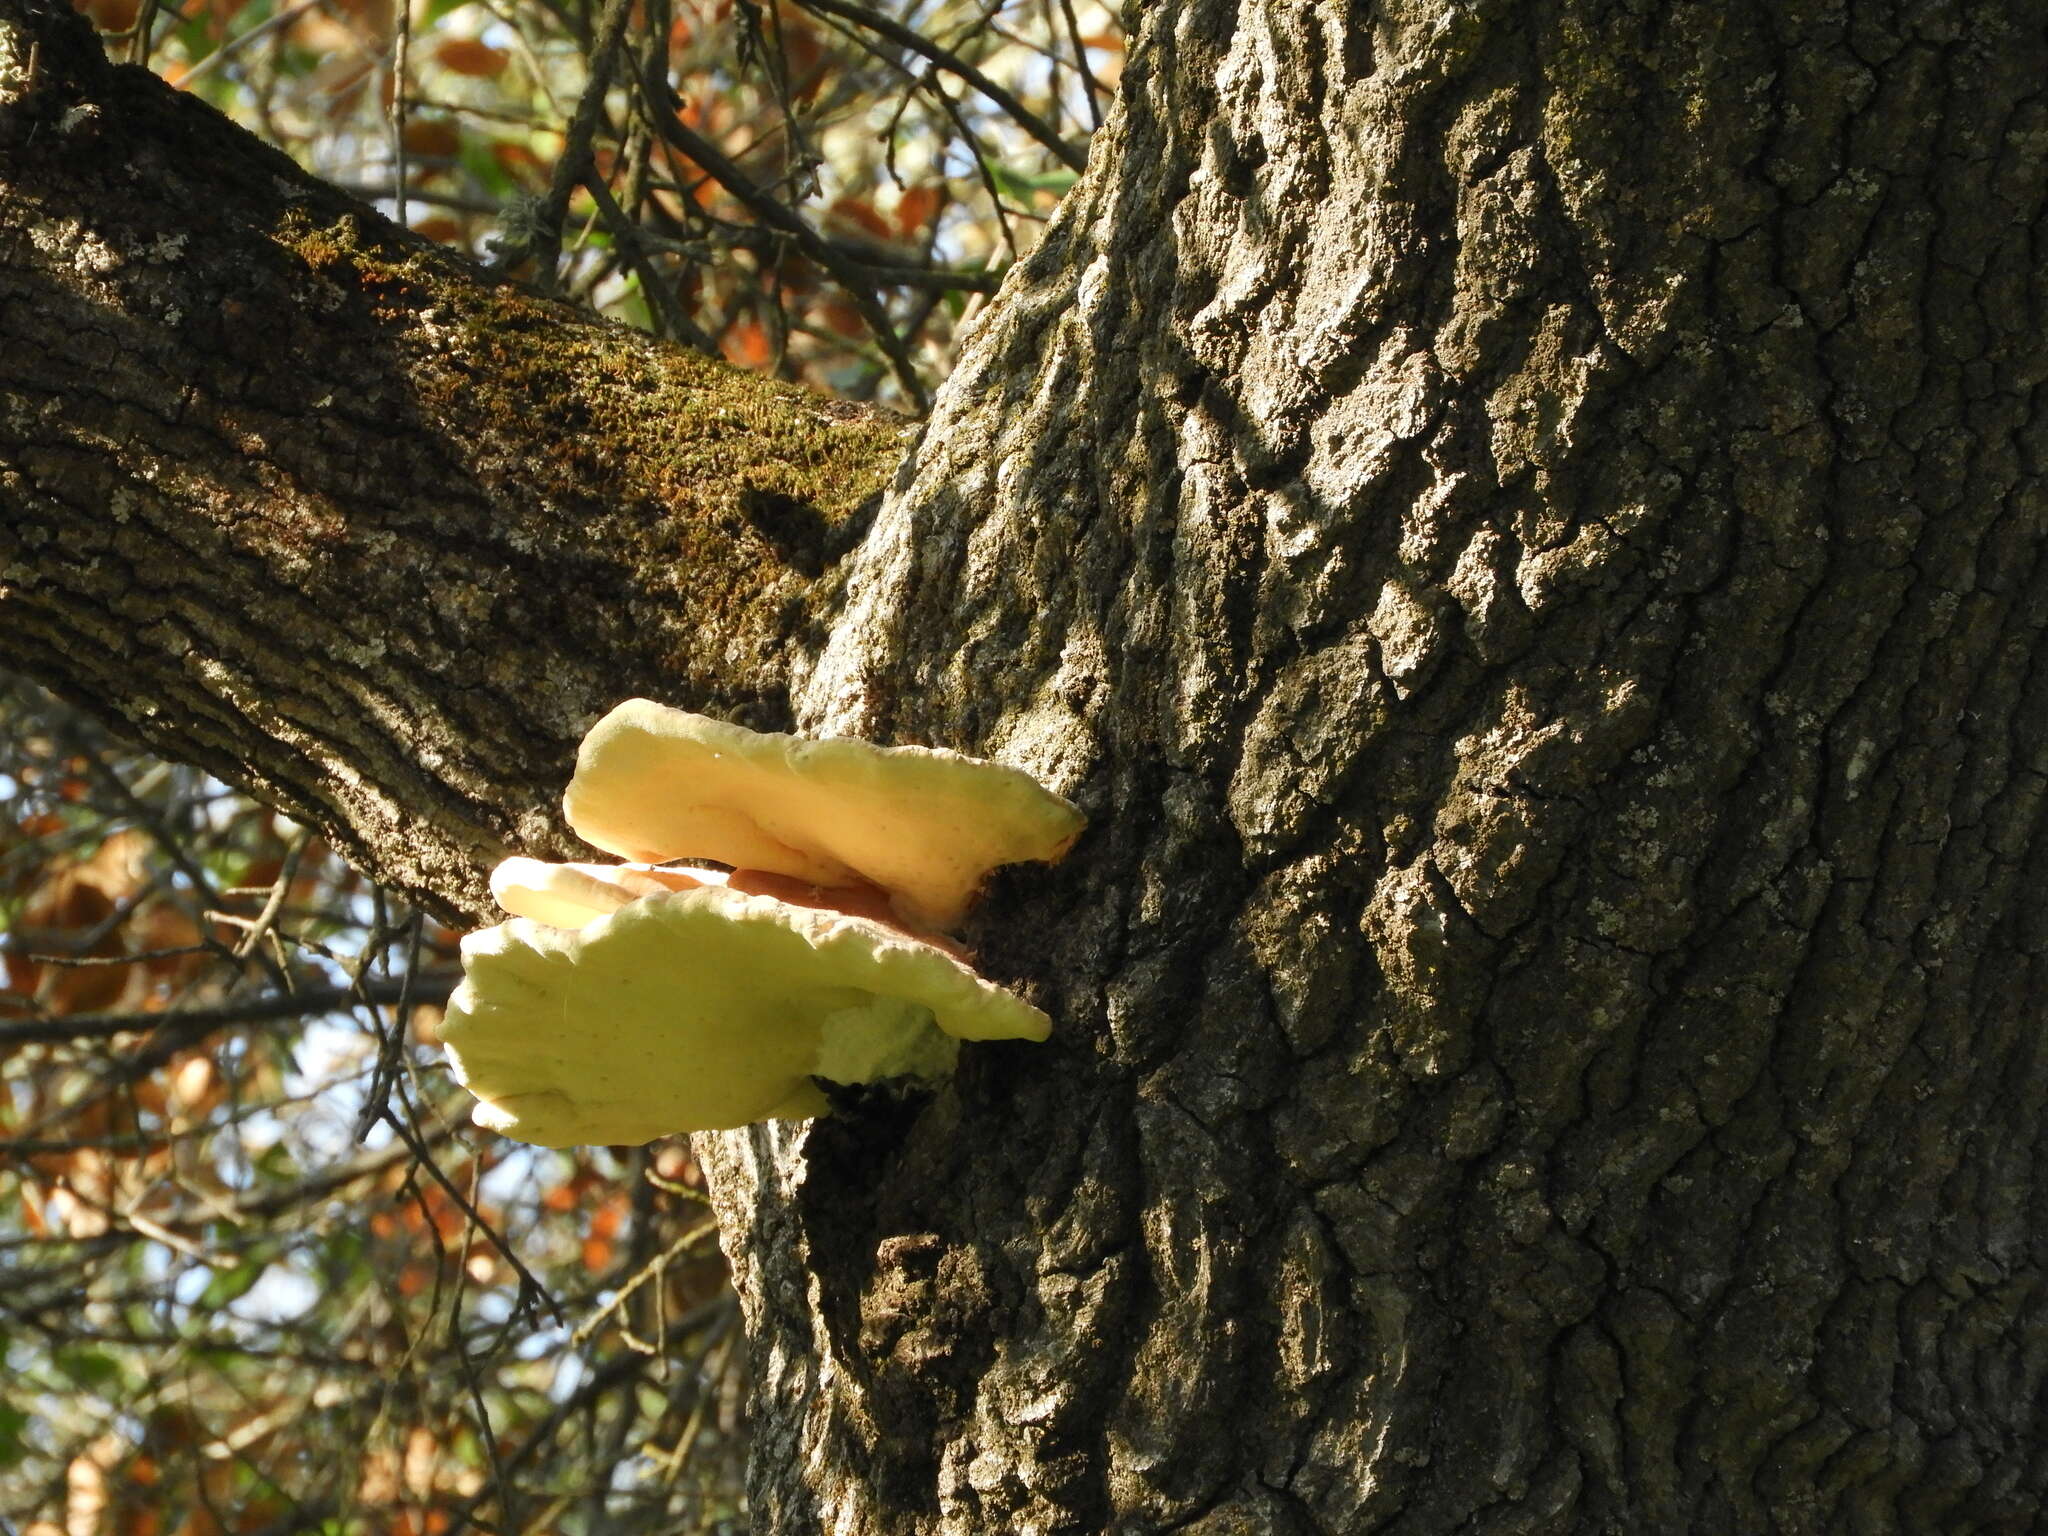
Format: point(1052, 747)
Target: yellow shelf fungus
point(625, 1002)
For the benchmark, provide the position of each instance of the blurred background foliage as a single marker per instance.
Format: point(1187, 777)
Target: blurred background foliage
point(822, 189)
point(257, 1271)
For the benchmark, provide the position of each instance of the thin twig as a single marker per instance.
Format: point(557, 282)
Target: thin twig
point(187, 1024)
point(544, 240)
point(235, 45)
point(401, 58)
point(172, 848)
point(279, 888)
point(1095, 90)
point(391, 1042)
point(661, 296)
point(692, 1238)
point(863, 256)
point(140, 36)
point(530, 1289)
point(1004, 212)
point(713, 161)
point(616, 1371)
point(952, 63)
point(86, 962)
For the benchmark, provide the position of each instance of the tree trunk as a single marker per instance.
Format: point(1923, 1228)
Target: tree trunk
point(1522, 527)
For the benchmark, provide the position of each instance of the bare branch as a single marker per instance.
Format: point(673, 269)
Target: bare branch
point(952, 63)
point(189, 1024)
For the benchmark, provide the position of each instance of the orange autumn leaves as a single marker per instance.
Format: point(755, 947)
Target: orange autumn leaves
point(122, 1161)
point(471, 56)
point(78, 918)
point(199, 1475)
point(103, 927)
point(895, 163)
point(97, 924)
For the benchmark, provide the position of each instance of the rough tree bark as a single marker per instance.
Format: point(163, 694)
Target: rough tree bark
point(1523, 527)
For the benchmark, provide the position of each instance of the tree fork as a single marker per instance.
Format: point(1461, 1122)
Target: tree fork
point(302, 498)
point(1523, 528)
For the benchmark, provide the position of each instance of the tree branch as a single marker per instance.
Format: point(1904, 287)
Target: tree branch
point(854, 279)
point(190, 1023)
point(329, 511)
point(916, 42)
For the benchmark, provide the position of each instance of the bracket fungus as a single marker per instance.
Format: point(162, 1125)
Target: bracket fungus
point(628, 1001)
point(923, 824)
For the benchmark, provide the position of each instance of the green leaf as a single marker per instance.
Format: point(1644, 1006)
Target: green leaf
point(228, 1285)
point(497, 183)
point(344, 1248)
point(275, 1162)
point(1019, 186)
point(86, 1367)
point(12, 1422)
